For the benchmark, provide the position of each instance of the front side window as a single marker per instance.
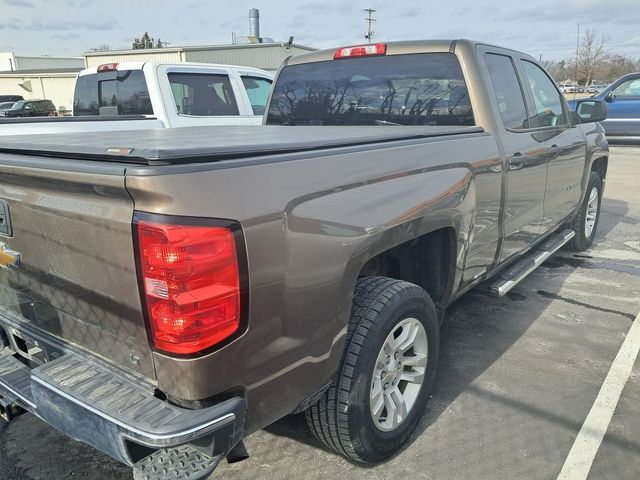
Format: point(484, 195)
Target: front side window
point(507, 90)
point(203, 94)
point(415, 89)
point(628, 89)
point(258, 89)
point(548, 111)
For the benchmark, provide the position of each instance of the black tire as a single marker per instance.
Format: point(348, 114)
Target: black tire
point(342, 419)
point(582, 241)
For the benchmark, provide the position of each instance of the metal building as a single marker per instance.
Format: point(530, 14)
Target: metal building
point(52, 84)
point(54, 78)
point(10, 62)
point(40, 77)
point(267, 56)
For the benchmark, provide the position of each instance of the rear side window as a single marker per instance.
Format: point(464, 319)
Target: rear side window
point(203, 94)
point(507, 90)
point(112, 93)
point(416, 89)
point(258, 90)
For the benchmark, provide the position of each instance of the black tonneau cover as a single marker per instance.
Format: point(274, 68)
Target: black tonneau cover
point(83, 118)
point(206, 144)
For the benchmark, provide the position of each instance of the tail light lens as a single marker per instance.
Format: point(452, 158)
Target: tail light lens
point(191, 281)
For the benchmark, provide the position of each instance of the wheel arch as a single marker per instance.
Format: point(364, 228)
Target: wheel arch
point(427, 260)
point(600, 166)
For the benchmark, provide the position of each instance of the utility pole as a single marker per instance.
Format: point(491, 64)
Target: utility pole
point(577, 59)
point(370, 20)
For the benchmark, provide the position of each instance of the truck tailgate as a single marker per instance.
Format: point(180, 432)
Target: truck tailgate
point(70, 222)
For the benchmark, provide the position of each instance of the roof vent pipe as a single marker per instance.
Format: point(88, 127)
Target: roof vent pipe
point(254, 23)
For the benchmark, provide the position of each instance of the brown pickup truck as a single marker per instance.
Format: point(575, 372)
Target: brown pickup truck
point(165, 293)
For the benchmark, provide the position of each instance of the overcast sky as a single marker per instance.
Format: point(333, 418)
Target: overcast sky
point(538, 27)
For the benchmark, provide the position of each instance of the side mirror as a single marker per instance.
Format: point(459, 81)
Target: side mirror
point(609, 96)
point(575, 118)
point(591, 110)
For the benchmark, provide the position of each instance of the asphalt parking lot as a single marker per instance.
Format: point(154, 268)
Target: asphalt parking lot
point(518, 378)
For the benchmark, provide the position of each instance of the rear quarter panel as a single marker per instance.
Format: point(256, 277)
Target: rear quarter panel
point(310, 223)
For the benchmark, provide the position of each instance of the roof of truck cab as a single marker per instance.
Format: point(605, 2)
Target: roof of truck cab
point(208, 144)
point(123, 66)
point(399, 48)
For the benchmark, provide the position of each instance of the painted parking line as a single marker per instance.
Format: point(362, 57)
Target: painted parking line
point(584, 449)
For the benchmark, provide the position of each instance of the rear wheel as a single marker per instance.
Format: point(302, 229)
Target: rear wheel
point(386, 374)
point(585, 223)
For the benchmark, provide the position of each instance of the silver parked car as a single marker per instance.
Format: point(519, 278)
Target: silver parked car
point(567, 88)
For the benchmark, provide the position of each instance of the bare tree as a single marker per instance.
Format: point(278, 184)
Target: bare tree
point(616, 65)
point(591, 54)
point(104, 47)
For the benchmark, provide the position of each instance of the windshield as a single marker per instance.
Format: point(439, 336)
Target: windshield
point(417, 89)
point(17, 105)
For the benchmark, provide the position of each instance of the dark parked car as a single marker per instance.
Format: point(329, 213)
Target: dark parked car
point(31, 108)
point(11, 98)
point(623, 104)
point(5, 106)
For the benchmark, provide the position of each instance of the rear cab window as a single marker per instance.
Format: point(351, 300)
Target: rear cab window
point(203, 94)
point(122, 92)
point(407, 89)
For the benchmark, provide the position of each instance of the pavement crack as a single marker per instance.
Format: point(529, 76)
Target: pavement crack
point(555, 296)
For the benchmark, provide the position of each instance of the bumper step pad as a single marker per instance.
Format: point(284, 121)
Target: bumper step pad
point(13, 372)
point(119, 414)
point(178, 463)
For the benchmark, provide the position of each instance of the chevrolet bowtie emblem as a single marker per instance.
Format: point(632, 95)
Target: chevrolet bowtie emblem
point(8, 258)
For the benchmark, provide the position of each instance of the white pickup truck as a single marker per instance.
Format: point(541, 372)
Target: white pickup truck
point(144, 95)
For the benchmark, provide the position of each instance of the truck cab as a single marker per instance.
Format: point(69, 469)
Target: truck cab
point(177, 94)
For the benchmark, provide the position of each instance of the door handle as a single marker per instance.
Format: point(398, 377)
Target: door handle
point(517, 161)
point(554, 150)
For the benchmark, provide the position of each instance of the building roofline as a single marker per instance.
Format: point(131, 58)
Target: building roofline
point(46, 57)
point(47, 72)
point(195, 48)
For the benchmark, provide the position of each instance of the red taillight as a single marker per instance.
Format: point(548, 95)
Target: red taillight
point(191, 281)
point(361, 50)
point(107, 67)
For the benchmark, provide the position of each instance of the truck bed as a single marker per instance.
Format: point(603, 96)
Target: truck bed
point(210, 144)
